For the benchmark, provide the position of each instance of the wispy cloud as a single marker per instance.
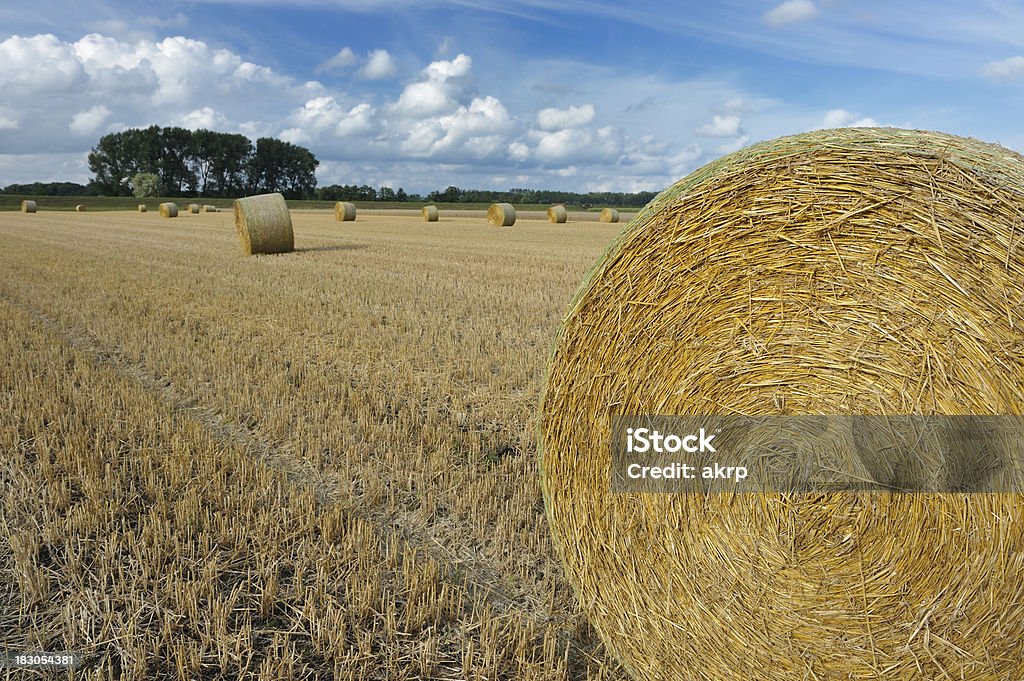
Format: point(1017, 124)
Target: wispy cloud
point(790, 12)
point(1011, 69)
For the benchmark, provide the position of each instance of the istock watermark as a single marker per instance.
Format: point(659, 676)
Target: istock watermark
point(914, 453)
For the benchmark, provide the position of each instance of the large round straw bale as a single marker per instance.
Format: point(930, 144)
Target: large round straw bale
point(429, 213)
point(609, 215)
point(344, 211)
point(839, 272)
point(168, 210)
point(264, 224)
point(501, 214)
point(80, 208)
point(557, 214)
point(193, 208)
point(142, 208)
point(28, 206)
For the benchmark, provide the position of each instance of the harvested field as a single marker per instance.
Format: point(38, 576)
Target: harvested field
point(318, 464)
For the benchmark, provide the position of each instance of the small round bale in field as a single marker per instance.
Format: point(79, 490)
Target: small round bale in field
point(609, 215)
point(557, 214)
point(429, 213)
point(193, 208)
point(142, 208)
point(264, 224)
point(80, 208)
point(344, 211)
point(838, 273)
point(28, 206)
point(168, 210)
point(501, 214)
point(210, 209)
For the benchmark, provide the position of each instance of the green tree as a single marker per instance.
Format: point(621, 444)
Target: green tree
point(279, 166)
point(145, 185)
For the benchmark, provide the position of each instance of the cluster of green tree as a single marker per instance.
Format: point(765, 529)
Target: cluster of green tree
point(351, 192)
point(541, 196)
point(200, 163)
point(51, 189)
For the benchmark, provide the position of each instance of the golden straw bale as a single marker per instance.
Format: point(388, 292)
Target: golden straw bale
point(28, 206)
point(193, 208)
point(168, 210)
point(871, 271)
point(344, 211)
point(80, 208)
point(264, 224)
point(609, 215)
point(557, 214)
point(501, 214)
point(142, 208)
point(207, 208)
point(429, 213)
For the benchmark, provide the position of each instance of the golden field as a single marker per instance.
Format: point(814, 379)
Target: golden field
point(313, 465)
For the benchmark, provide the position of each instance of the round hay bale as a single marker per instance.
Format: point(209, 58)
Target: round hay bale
point(429, 213)
point(80, 208)
point(557, 214)
point(28, 206)
point(264, 224)
point(168, 210)
point(501, 214)
point(142, 208)
point(838, 272)
point(609, 215)
point(344, 211)
point(210, 209)
point(193, 208)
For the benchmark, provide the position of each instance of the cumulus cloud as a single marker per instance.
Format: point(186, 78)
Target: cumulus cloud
point(436, 91)
point(560, 119)
point(89, 121)
point(734, 145)
point(841, 118)
point(204, 118)
point(1011, 69)
point(344, 59)
point(790, 12)
point(578, 145)
point(379, 65)
point(721, 126)
point(476, 129)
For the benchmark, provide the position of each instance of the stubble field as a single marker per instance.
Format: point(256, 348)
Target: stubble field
point(313, 465)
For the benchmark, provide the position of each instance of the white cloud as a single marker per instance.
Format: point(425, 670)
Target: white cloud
point(345, 58)
point(441, 82)
point(1006, 70)
point(89, 121)
point(790, 12)
point(735, 145)
point(517, 151)
point(721, 126)
point(560, 119)
point(204, 118)
point(444, 47)
point(379, 65)
point(360, 120)
point(478, 129)
point(841, 118)
point(578, 145)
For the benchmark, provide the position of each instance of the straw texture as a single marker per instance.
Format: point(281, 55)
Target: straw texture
point(501, 214)
point(854, 271)
point(168, 210)
point(430, 213)
point(344, 211)
point(557, 214)
point(264, 224)
point(142, 208)
point(609, 215)
point(80, 208)
point(28, 206)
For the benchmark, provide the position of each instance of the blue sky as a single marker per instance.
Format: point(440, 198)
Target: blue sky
point(563, 94)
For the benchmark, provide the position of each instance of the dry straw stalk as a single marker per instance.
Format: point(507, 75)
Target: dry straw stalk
point(501, 214)
point(142, 208)
point(264, 224)
point(344, 211)
point(430, 213)
point(609, 215)
point(855, 271)
point(168, 210)
point(28, 206)
point(557, 214)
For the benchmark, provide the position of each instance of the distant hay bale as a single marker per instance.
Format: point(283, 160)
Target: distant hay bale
point(264, 224)
point(210, 209)
point(28, 206)
point(168, 210)
point(609, 215)
point(193, 208)
point(501, 214)
point(142, 208)
point(344, 211)
point(429, 213)
point(858, 271)
point(557, 214)
point(80, 208)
